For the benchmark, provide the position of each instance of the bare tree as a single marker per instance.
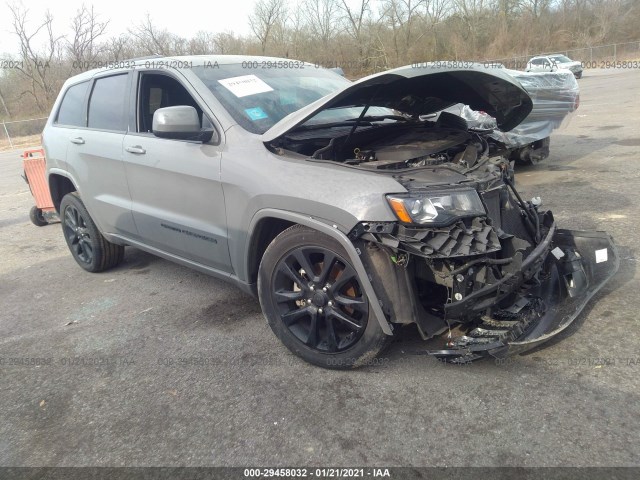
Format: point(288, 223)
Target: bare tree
point(151, 39)
point(83, 47)
point(36, 66)
point(355, 20)
point(401, 16)
point(267, 14)
point(202, 43)
point(4, 106)
point(321, 18)
point(536, 7)
point(355, 17)
point(119, 48)
point(297, 33)
point(435, 13)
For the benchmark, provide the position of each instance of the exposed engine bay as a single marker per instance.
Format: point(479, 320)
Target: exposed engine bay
point(401, 145)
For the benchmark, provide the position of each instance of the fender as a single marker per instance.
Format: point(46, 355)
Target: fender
point(335, 233)
point(63, 173)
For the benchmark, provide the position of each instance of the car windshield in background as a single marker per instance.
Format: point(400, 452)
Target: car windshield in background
point(258, 99)
point(560, 59)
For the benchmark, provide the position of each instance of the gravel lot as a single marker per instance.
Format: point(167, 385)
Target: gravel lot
point(117, 390)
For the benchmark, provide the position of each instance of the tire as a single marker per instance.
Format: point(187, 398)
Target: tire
point(87, 245)
point(37, 218)
point(331, 299)
point(578, 76)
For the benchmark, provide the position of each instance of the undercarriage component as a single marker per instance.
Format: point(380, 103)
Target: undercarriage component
point(494, 293)
point(533, 153)
point(392, 278)
point(545, 308)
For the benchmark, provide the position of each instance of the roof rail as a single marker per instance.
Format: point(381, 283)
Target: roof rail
point(155, 55)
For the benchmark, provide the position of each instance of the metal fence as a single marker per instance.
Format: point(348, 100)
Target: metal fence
point(18, 133)
point(601, 56)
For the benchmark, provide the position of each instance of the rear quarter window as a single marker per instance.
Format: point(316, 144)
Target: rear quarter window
point(71, 111)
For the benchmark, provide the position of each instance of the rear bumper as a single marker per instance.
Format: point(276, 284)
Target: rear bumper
point(576, 265)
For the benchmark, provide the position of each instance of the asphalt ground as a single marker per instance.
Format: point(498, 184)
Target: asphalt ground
point(155, 364)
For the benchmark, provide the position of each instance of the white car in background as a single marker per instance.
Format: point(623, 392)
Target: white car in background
point(553, 63)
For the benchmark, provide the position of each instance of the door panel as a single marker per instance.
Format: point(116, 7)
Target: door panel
point(94, 153)
point(95, 159)
point(178, 204)
point(177, 199)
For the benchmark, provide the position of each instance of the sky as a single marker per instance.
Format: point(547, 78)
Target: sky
point(182, 17)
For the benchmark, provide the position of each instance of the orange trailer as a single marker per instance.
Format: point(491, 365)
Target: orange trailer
point(35, 168)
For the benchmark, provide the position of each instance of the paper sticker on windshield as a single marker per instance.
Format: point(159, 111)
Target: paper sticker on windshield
point(245, 85)
point(256, 113)
point(601, 255)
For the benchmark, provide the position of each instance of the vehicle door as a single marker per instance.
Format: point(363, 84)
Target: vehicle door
point(94, 153)
point(177, 197)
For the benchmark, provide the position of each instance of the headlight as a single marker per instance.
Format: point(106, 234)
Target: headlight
point(436, 208)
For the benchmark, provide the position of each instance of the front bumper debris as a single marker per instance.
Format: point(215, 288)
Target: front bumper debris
point(576, 265)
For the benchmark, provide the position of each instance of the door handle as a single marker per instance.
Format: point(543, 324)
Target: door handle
point(77, 140)
point(137, 149)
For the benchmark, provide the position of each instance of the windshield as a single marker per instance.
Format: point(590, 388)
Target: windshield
point(560, 59)
point(259, 98)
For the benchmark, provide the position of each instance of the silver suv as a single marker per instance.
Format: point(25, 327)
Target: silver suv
point(349, 209)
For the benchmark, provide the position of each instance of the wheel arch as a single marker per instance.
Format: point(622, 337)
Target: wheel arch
point(270, 220)
point(261, 235)
point(60, 185)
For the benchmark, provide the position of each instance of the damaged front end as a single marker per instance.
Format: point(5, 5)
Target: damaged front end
point(490, 285)
point(467, 257)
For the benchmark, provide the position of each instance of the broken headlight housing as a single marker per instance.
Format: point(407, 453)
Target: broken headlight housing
point(436, 207)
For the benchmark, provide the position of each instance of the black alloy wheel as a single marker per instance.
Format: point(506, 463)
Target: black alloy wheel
point(90, 249)
point(320, 299)
point(77, 234)
point(315, 303)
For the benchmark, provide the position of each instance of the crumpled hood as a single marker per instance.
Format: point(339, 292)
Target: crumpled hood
point(421, 89)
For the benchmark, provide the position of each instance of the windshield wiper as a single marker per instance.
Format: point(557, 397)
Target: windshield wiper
point(377, 118)
point(319, 126)
point(368, 120)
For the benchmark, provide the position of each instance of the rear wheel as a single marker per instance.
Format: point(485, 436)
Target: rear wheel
point(87, 245)
point(37, 218)
point(314, 302)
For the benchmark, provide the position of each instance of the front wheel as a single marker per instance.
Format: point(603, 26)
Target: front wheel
point(314, 302)
point(87, 245)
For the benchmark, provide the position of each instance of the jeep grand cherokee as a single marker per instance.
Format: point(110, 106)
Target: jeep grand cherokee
point(349, 209)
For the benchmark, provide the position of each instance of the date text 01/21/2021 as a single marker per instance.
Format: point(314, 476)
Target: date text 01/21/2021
point(316, 473)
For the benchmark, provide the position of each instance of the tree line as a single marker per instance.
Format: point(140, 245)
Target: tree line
point(361, 36)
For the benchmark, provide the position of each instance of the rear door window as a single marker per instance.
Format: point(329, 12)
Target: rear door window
point(109, 98)
point(71, 110)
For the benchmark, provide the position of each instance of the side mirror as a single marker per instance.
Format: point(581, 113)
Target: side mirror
point(179, 123)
